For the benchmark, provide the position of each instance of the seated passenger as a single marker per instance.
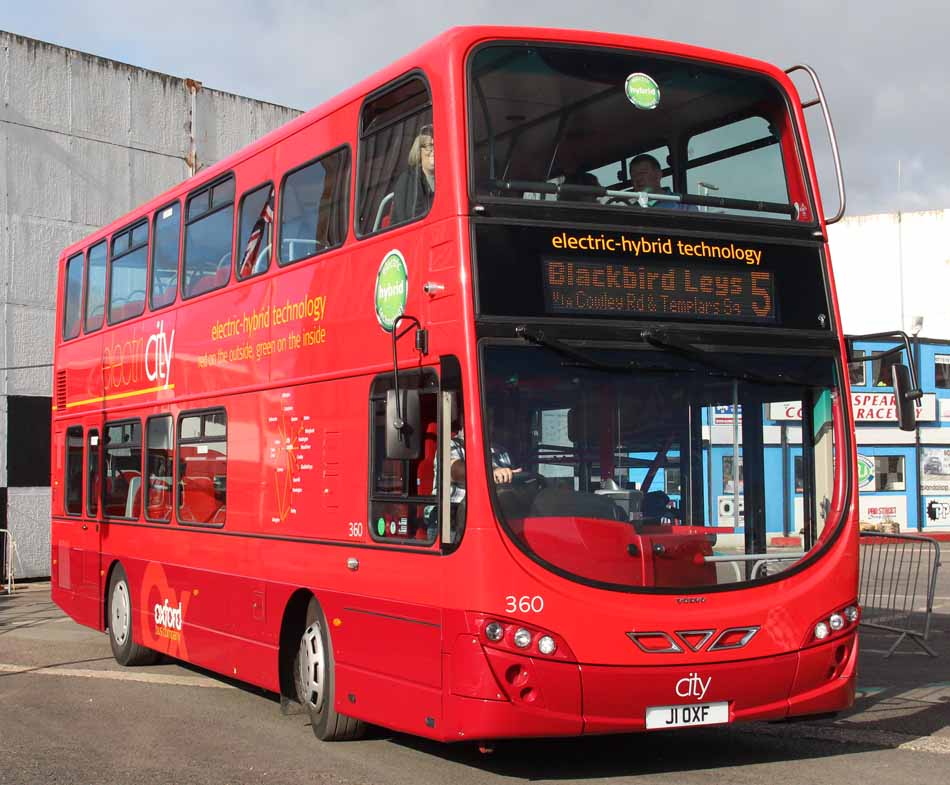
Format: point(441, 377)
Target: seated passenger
point(415, 188)
point(580, 178)
point(658, 508)
point(645, 175)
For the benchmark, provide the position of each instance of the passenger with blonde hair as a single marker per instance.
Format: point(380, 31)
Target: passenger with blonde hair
point(415, 188)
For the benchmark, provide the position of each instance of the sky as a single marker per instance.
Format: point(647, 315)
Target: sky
point(883, 65)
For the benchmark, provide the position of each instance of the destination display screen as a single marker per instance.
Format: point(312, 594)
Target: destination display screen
point(596, 288)
point(543, 272)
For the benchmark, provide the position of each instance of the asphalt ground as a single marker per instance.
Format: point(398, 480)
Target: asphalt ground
point(70, 714)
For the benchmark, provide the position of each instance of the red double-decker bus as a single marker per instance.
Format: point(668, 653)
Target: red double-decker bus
point(412, 410)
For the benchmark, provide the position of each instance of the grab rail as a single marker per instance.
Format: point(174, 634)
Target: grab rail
point(820, 100)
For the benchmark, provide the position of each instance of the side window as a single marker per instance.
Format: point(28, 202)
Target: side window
point(93, 488)
point(128, 273)
point(256, 231)
point(857, 370)
point(166, 243)
point(209, 225)
point(203, 468)
point(73, 485)
point(889, 473)
point(313, 205)
point(72, 298)
point(96, 287)
point(881, 369)
point(159, 468)
point(942, 371)
point(396, 158)
point(404, 493)
point(741, 160)
point(122, 470)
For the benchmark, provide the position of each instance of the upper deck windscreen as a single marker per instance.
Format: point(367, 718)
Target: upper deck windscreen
point(632, 131)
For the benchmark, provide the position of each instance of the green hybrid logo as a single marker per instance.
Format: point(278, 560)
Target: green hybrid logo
point(642, 91)
point(865, 471)
point(392, 287)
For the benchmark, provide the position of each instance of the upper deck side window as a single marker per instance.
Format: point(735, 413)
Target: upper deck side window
point(96, 286)
point(209, 229)
point(72, 296)
point(632, 131)
point(396, 169)
point(255, 231)
point(128, 272)
point(313, 207)
point(166, 248)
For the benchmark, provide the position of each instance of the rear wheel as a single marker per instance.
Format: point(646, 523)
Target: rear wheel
point(124, 648)
point(313, 679)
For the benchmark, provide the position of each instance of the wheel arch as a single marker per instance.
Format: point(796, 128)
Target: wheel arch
point(292, 623)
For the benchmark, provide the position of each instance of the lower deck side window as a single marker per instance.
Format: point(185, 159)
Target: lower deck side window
point(122, 470)
point(203, 467)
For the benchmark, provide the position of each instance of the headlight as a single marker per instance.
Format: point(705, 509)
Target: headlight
point(851, 613)
point(822, 631)
point(546, 644)
point(522, 638)
point(836, 621)
point(494, 631)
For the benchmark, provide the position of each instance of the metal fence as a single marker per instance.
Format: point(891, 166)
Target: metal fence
point(7, 553)
point(897, 585)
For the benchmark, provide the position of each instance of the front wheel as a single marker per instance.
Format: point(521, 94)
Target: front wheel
point(124, 648)
point(313, 679)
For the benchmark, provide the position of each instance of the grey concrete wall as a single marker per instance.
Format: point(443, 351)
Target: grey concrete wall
point(83, 140)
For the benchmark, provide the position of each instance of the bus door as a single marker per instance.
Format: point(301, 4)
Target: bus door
point(410, 528)
point(76, 542)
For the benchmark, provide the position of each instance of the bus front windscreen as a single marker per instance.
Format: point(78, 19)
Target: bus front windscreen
point(664, 467)
point(631, 131)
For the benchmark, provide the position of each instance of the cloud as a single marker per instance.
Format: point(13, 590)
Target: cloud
point(881, 63)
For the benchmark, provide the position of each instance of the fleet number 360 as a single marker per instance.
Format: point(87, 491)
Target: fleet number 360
point(524, 604)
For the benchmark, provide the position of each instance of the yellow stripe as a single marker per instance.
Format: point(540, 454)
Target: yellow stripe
point(116, 396)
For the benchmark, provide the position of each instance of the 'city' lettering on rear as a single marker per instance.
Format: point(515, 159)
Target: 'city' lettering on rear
point(692, 686)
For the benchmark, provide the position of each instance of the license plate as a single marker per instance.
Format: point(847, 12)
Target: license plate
point(685, 716)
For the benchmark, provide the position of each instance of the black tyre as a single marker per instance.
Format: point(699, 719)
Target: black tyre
point(119, 619)
point(313, 679)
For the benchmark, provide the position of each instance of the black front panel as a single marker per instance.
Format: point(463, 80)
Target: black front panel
point(538, 272)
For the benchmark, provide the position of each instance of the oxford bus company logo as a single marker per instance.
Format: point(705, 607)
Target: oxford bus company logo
point(168, 621)
point(158, 354)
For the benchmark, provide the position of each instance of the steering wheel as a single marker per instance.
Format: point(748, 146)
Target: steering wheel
point(525, 479)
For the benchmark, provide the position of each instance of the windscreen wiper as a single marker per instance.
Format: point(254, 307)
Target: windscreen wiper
point(640, 198)
point(661, 339)
point(581, 359)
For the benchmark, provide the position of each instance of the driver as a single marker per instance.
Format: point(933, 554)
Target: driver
point(502, 470)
